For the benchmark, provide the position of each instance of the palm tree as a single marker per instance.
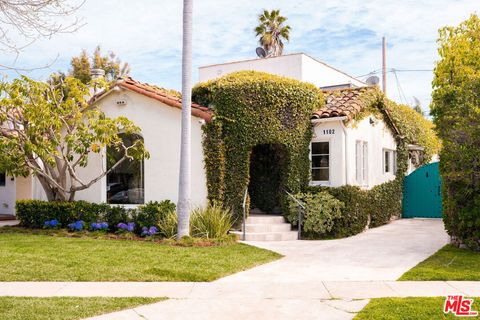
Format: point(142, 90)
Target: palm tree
point(272, 32)
point(183, 205)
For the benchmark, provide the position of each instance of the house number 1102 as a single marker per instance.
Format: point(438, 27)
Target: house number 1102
point(329, 131)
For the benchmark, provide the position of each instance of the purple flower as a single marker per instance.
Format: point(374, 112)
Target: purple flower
point(149, 231)
point(131, 226)
point(51, 223)
point(76, 226)
point(97, 226)
point(122, 226)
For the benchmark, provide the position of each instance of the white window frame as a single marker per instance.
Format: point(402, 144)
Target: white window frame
point(392, 161)
point(361, 162)
point(321, 182)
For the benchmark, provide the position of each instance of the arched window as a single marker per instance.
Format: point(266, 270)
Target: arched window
point(125, 184)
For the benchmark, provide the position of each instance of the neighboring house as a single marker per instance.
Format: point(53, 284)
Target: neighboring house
point(362, 153)
point(299, 66)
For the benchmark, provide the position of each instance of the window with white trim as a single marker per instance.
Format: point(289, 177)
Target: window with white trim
point(320, 161)
point(361, 163)
point(389, 161)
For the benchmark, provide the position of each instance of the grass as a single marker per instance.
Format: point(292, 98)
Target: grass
point(449, 263)
point(408, 309)
point(65, 308)
point(30, 257)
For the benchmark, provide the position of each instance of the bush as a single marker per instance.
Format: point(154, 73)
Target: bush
point(210, 222)
point(167, 225)
point(321, 210)
point(152, 212)
point(354, 217)
point(384, 202)
point(34, 213)
point(378, 205)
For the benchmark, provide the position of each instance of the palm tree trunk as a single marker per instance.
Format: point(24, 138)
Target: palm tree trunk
point(183, 205)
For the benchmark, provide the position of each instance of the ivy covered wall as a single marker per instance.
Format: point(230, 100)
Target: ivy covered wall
point(254, 108)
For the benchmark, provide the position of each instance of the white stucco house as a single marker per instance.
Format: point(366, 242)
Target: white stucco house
point(361, 153)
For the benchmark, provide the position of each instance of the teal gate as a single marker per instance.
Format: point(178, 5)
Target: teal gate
point(422, 193)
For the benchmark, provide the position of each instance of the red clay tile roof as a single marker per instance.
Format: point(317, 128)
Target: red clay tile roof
point(349, 102)
point(344, 102)
point(159, 94)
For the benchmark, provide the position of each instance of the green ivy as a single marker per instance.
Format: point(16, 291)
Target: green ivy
point(250, 109)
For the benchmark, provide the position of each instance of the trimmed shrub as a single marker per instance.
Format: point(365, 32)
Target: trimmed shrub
point(321, 210)
point(210, 222)
point(34, 213)
point(384, 202)
point(150, 213)
point(379, 205)
point(354, 217)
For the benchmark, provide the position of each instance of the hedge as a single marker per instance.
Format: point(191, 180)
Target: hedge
point(360, 208)
point(34, 213)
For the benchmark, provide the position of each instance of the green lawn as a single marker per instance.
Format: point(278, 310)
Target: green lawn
point(449, 263)
point(28, 257)
point(64, 308)
point(408, 309)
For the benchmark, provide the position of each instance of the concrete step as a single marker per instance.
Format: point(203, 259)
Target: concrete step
point(263, 227)
point(268, 236)
point(264, 219)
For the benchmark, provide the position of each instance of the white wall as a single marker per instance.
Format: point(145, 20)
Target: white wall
point(343, 141)
point(161, 126)
point(322, 75)
point(332, 132)
point(297, 66)
point(287, 65)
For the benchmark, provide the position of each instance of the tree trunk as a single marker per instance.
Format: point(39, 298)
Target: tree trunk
point(184, 189)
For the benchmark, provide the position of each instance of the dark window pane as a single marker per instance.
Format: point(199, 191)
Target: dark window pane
point(387, 161)
point(320, 161)
point(125, 184)
point(320, 148)
point(320, 175)
point(2, 179)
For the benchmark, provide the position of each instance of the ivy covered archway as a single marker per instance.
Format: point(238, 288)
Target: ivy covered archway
point(250, 109)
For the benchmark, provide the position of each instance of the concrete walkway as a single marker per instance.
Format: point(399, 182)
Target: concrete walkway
point(315, 280)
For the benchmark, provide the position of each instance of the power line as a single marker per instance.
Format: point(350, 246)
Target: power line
point(378, 71)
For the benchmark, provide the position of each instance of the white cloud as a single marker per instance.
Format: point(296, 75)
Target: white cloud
point(346, 34)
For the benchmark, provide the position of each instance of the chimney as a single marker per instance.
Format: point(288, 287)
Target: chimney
point(97, 73)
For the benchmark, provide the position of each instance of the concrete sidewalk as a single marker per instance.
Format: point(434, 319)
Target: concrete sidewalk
point(213, 290)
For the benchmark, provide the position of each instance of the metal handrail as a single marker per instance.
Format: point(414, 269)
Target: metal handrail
point(244, 212)
point(300, 208)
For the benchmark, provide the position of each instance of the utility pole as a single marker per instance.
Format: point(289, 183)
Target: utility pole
point(384, 66)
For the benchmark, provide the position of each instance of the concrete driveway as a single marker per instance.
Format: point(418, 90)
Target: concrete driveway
point(327, 280)
point(383, 253)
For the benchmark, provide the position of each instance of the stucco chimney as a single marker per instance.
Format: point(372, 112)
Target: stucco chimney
point(97, 73)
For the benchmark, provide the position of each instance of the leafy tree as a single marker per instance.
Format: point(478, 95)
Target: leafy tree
point(272, 32)
point(50, 130)
point(456, 113)
point(110, 63)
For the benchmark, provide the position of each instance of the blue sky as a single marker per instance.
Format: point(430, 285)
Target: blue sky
point(346, 34)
